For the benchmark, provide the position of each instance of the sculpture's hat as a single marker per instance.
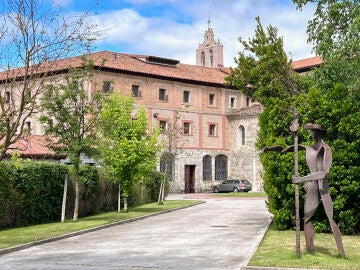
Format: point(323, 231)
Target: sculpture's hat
point(311, 126)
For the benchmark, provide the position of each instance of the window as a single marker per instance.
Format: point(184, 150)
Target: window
point(207, 172)
point(163, 125)
point(186, 96)
point(107, 88)
point(232, 102)
point(187, 128)
point(211, 99)
point(27, 127)
point(135, 89)
point(162, 94)
point(241, 135)
point(7, 97)
point(220, 167)
point(212, 130)
point(247, 102)
point(211, 57)
point(203, 58)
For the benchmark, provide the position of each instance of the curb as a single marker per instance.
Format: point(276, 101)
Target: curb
point(64, 236)
point(258, 241)
point(274, 268)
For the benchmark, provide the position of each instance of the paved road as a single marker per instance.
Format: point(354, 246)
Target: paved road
point(219, 234)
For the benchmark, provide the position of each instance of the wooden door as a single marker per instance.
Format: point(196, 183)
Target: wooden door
point(189, 179)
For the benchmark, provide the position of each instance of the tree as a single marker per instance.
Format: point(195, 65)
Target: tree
point(69, 118)
point(335, 27)
point(33, 36)
point(169, 138)
point(335, 33)
point(329, 95)
point(264, 73)
point(127, 148)
point(334, 99)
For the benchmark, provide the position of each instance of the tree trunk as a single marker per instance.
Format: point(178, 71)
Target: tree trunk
point(63, 207)
point(119, 198)
point(160, 193)
point(76, 180)
point(163, 191)
point(125, 204)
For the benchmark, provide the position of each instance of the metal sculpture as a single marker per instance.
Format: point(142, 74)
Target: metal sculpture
point(318, 159)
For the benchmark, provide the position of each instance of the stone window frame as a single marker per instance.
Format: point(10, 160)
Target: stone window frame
point(107, 86)
point(163, 96)
point(241, 135)
point(213, 125)
point(232, 102)
point(136, 90)
point(212, 100)
point(186, 99)
point(162, 121)
point(207, 168)
point(189, 131)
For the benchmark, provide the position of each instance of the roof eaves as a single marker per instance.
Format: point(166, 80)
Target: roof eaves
point(162, 77)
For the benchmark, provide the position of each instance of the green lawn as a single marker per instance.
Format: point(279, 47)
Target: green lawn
point(277, 249)
point(17, 236)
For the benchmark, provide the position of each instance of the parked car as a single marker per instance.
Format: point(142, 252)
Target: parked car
point(233, 186)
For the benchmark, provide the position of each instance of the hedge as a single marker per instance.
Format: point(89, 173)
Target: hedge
point(31, 192)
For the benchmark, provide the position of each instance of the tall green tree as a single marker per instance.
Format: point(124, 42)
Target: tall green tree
point(70, 113)
point(329, 95)
point(264, 73)
point(335, 34)
point(335, 27)
point(127, 148)
point(334, 98)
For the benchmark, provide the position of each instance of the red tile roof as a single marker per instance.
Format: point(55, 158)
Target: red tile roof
point(307, 64)
point(151, 66)
point(138, 65)
point(143, 65)
point(34, 146)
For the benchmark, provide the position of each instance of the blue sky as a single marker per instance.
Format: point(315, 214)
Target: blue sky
point(174, 28)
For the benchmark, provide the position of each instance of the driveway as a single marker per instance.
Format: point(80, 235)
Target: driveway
point(219, 234)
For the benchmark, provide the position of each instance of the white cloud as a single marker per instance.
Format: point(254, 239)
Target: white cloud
point(124, 25)
point(165, 36)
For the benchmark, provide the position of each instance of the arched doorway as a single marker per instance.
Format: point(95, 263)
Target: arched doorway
point(221, 171)
point(207, 171)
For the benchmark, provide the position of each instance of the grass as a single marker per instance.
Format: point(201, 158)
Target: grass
point(241, 194)
point(17, 236)
point(277, 249)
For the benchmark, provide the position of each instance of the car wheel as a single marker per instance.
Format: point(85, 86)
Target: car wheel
point(236, 190)
point(216, 190)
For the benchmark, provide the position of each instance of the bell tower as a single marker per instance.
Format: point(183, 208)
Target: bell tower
point(210, 52)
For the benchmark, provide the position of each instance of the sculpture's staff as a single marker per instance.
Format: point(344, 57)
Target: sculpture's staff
point(294, 128)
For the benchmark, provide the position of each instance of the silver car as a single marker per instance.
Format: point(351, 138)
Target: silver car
point(233, 186)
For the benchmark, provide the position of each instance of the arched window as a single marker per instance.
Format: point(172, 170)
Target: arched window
point(203, 58)
point(241, 135)
point(211, 57)
point(207, 172)
point(166, 165)
point(220, 167)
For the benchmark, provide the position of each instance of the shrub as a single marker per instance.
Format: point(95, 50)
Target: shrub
point(34, 192)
